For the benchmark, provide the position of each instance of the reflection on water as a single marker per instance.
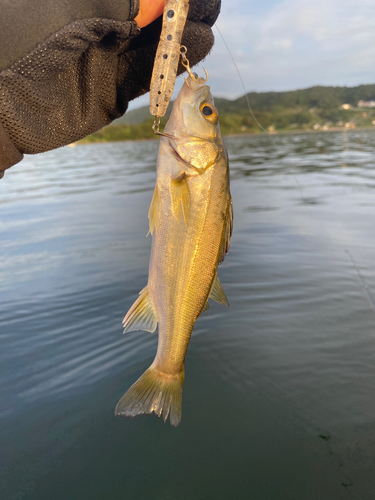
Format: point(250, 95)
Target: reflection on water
point(278, 399)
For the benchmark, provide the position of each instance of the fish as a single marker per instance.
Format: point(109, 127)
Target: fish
point(191, 221)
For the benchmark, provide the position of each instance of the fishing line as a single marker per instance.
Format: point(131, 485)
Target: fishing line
point(368, 293)
point(361, 279)
point(243, 85)
point(364, 285)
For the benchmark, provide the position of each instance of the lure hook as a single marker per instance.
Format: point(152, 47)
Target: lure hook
point(185, 63)
point(155, 128)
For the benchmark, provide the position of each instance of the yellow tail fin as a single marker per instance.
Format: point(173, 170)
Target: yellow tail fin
point(156, 392)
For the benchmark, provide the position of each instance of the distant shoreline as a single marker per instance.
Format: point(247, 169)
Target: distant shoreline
point(313, 109)
point(85, 142)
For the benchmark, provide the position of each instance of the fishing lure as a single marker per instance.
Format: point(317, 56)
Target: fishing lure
point(167, 56)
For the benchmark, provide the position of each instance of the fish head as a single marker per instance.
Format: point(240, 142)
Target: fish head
point(194, 123)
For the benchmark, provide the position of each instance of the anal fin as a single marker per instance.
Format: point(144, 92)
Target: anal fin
point(217, 292)
point(141, 315)
point(206, 306)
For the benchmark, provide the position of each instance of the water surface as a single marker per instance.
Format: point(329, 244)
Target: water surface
point(279, 390)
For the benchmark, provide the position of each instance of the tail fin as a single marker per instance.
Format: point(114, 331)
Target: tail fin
point(154, 391)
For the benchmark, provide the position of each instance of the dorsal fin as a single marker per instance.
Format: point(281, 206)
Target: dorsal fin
point(153, 210)
point(141, 315)
point(217, 292)
point(227, 233)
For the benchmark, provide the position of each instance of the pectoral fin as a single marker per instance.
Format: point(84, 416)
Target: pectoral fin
point(180, 197)
point(141, 315)
point(217, 292)
point(153, 210)
point(227, 233)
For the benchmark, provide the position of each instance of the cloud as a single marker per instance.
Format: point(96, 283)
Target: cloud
point(290, 44)
point(294, 44)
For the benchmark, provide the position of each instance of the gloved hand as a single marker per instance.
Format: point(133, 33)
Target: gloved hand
point(75, 65)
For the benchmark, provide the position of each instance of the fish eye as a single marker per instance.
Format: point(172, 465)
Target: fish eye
point(209, 111)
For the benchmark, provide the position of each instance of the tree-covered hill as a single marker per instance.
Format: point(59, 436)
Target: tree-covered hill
point(313, 97)
point(313, 108)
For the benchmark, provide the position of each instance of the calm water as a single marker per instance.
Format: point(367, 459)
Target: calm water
point(279, 391)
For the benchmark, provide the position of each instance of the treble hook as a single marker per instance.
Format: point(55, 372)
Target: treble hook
point(193, 76)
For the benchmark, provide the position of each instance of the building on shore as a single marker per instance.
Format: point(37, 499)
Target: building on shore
point(366, 104)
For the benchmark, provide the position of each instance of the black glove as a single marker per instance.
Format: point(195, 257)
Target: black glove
point(85, 61)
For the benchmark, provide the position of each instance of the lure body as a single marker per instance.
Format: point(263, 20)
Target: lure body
point(167, 55)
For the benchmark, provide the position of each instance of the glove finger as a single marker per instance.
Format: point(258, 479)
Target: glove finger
point(205, 11)
point(199, 40)
point(66, 88)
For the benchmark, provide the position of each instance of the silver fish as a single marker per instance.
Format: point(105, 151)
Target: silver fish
point(191, 221)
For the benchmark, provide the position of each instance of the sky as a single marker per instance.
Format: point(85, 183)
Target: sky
point(289, 44)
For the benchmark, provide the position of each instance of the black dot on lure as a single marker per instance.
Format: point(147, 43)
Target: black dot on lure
point(207, 111)
point(170, 14)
